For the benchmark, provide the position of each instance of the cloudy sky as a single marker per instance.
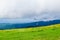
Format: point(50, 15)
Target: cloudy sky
point(30, 9)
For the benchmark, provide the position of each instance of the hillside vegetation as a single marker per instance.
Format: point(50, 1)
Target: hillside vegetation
point(51, 32)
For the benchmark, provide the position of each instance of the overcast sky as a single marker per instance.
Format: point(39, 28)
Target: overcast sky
point(30, 9)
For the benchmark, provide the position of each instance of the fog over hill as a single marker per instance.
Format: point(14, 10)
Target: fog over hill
point(24, 11)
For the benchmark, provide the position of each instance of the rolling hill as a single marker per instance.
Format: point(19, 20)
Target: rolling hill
point(51, 32)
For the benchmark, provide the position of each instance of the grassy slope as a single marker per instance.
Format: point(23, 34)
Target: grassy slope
point(38, 33)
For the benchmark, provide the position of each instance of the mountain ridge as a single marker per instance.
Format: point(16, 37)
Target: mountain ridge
point(26, 25)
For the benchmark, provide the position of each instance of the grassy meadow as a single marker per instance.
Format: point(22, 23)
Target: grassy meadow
point(51, 32)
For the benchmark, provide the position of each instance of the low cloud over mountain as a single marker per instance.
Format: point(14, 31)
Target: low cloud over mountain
point(30, 9)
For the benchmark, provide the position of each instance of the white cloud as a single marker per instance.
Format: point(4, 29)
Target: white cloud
point(19, 8)
point(28, 8)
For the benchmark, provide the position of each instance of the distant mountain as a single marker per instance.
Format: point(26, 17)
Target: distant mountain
point(26, 25)
point(39, 23)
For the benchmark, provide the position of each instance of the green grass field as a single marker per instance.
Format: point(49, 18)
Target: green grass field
point(51, 32)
